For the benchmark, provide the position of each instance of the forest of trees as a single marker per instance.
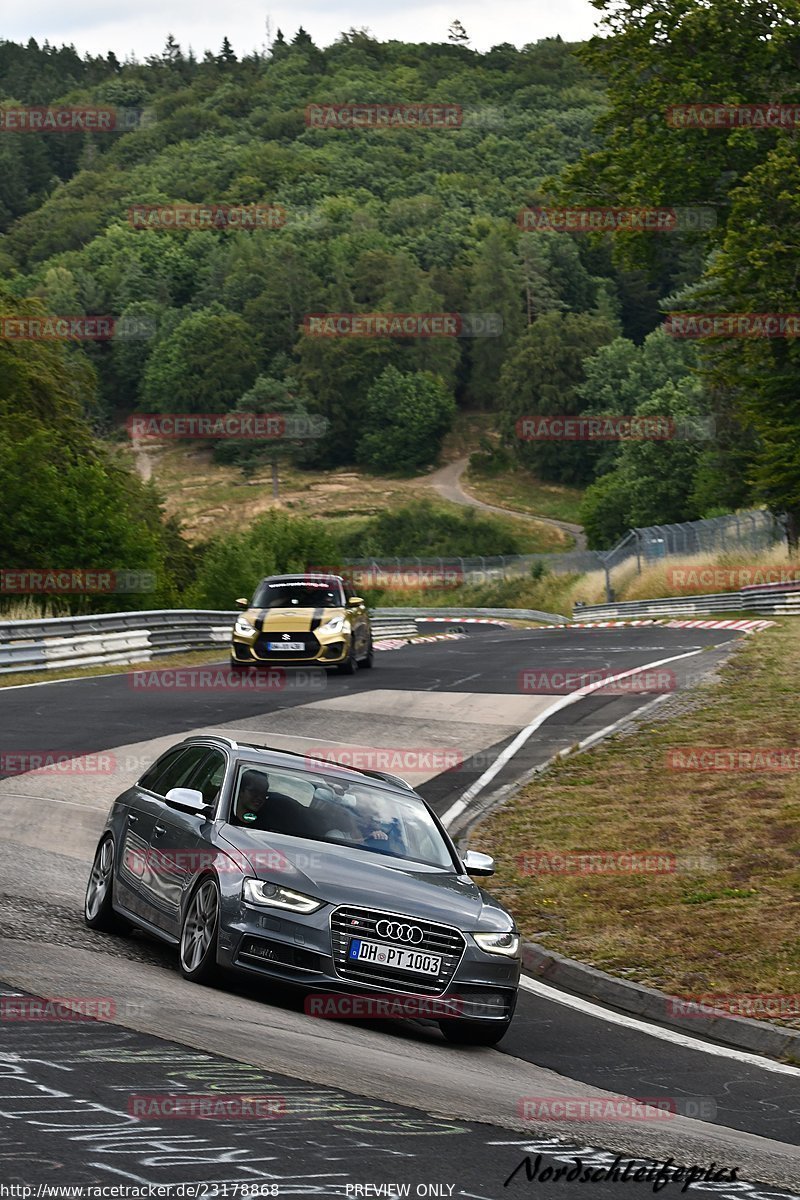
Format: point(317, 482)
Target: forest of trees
point(409, 220)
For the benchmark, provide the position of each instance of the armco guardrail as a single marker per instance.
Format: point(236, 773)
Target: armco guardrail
point(775, 599)
point(48, 645)
point(119, 638)
point(455, 611)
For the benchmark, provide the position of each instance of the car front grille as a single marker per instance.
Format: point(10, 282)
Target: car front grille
point(261, 646)
point(349, 922)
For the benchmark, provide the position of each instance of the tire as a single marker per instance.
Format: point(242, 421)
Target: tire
point(367, 663)
point(350, 665)
point(474, 1033)
point(98, 905)
point(197, 948)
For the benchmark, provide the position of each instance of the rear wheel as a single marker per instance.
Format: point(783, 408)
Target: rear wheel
point(98, 907)
point(474, 1033)
point(199, 934)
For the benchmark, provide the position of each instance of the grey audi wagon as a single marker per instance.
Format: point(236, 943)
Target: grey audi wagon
point(286, 867)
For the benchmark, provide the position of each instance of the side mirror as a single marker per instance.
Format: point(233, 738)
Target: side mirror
point(354, 601)
point(242, 602)
point(186, 798)
point(478, 864)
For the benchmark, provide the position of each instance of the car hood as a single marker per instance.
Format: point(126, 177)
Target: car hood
point(291, 620)
point(343, 875)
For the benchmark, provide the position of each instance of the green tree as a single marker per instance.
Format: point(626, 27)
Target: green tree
point(406, 418)
point(204, 366)
point(495, 289)
point(542, 376)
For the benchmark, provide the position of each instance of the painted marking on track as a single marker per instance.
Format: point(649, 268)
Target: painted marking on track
point(666, 1035)
point(519, 741)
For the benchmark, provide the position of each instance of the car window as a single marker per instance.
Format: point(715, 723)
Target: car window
point(152, 775)
point(174, 770)
point(326, 807)
point(208, 775)
point(302, 594)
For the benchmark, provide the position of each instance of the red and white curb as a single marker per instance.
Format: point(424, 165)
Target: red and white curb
point(467, 621)
point(744, 626)
point(398, 643)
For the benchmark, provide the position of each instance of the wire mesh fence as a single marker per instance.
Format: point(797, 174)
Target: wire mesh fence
point(756, 529)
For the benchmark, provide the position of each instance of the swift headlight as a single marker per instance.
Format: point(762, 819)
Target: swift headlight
point(335, 625)
point(243, 625)
point(271, 895)
point(506, 944)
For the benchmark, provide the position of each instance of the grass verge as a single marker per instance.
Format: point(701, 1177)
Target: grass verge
point(519, 490)
point(727, 926)
point(166, 660)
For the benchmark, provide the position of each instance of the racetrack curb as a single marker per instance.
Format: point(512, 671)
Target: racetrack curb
point(760, 1037)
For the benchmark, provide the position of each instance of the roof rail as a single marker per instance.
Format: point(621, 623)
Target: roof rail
point(397, 780)
point(213, 737)
point(383, 776)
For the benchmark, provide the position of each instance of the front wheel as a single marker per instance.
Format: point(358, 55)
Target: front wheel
point(199, 934)
point(350, 664)
point(98, 906)
point(369, 661)
point(474, 1033)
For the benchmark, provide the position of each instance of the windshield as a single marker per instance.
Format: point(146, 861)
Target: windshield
point(303, 593)
point(324, 807)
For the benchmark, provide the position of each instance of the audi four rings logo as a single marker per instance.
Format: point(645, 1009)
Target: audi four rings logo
point(398, 932)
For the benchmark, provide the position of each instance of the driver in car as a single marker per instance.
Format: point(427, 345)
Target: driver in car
point(274, 812)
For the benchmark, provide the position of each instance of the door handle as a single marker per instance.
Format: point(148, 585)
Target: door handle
point(159, 830)
point(132, 818)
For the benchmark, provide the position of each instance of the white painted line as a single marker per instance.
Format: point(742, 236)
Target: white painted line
point(666, 1035)
point(522, 737)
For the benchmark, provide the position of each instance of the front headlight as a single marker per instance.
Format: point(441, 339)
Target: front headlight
point(254, 891)
point(498, 943)
point(335, 625)
point(243, 625)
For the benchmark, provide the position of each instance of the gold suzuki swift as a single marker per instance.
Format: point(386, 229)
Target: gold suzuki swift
point(302, 620)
